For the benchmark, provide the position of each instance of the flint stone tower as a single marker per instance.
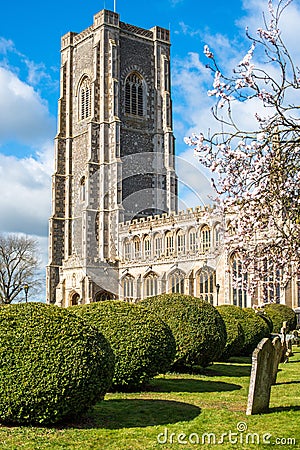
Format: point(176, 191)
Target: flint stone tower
point(114, 152)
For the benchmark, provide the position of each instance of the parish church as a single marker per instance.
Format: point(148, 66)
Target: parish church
point(115, 229)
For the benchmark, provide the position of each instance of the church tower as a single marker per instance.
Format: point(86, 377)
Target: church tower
point(114, 151)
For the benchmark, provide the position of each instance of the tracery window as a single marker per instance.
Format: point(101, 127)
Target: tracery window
point(169, 243)
point(128, 288)
point(176, 282)
point(127, 250)
point(181, 242)
point(157, 245)
point(134, 95)
point(137, 248)
point(150, 285)
point(85, 99)
point(205, 239)
point(206, 280)
point(193, 240)
point(271, 282)
point(239, 281)
point(147, 247)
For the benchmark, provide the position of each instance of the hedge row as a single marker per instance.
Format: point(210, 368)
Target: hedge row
point(56, 363)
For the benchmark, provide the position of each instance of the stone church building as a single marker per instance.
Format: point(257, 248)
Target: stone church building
point(115, 229)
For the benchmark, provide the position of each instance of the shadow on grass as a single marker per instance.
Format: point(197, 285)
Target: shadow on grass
point(229, 370)
point(283, 409)
point(132, 413)
point(287, 382)
point(190, 385)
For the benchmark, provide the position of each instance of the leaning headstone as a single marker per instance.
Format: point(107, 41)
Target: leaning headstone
point(296, 337)
point(261, 378)
point(283, 342)
point(276, 342)
point(289, 351)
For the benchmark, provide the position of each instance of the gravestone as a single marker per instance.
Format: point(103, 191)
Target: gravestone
point(283, 342)
point(276, 342)
point(261, 378)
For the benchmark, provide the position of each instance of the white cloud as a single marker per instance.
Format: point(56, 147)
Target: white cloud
point(24, 116)
point(6, 45)
point(25, 186)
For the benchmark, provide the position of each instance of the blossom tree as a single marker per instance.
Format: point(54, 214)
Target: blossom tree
point(256, 171)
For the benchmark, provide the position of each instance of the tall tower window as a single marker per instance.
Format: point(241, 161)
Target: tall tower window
point(134, 95)
point(82, 189)
point(85, 99)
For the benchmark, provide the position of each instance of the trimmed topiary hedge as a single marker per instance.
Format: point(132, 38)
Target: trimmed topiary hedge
point(52, 364)
point(197, 326)
point(255, 328)
point(235, 333)
point(279, 314)
point(143, 344)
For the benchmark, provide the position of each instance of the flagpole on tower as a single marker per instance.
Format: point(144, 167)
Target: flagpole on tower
point(114, 5)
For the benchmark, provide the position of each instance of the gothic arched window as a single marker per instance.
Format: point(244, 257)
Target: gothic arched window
point(85, 99)
point(134, 95)
point(239, 281)
point(193, 240)
point(127, 249)
point(206, 280)
point(128, 288)
point(176, 282)
point(180, 242)
point(169, 247)
point(147, 247)
point(205, 239)
point(150, 285)
point(157, 245)
point(137, 247)
point(271, 282)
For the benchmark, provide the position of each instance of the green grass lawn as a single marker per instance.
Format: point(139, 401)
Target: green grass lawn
point(212, 402)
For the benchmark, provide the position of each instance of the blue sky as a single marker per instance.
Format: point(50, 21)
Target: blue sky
point(30, 35)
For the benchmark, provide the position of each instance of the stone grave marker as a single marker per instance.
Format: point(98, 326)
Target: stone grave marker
point(277, 357)
point(261, 377)
point(283, 342)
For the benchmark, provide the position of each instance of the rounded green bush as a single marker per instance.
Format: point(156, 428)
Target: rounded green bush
point(197, 326)
point(235, 333)
point(255, 328)
point(279, 314)
point(143, 345)
point(52, 364)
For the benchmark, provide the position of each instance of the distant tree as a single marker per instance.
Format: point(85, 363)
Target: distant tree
point(257, 170)
point(19, 266)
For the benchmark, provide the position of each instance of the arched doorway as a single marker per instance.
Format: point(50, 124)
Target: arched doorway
point(74, 299)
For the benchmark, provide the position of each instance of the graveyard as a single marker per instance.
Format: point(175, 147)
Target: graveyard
point(178, 411)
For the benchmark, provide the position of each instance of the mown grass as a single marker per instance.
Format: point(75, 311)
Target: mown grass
point(213, 401)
